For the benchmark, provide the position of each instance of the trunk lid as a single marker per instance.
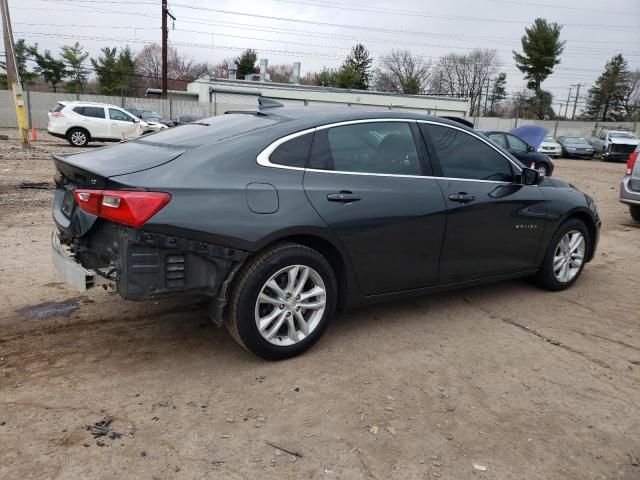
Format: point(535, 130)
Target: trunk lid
point(92, 170)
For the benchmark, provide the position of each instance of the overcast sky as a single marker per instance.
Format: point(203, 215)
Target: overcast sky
point(321, 32)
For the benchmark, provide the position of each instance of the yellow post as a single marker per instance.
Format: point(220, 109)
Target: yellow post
point(21, 113)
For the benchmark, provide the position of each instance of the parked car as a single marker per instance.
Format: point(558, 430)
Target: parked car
point(181, 120)
point(523, 151)
point(84, 122)
point(285, 215)
point(575, 147)
point(614, 144)
point(630, 185)
point(150, 115)
point(550, 147)
point(151, 124)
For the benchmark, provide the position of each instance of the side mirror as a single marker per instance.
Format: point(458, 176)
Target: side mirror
point(136, 120)
point(530, 176)
point(530, 148)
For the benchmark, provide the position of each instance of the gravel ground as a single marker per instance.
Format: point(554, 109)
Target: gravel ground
point(509, 378)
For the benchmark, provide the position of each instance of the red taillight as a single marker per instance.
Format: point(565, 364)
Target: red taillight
point(57, 114)
point(632, 161)
point(132, 208)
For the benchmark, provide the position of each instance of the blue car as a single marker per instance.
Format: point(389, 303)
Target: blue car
point(522, 143)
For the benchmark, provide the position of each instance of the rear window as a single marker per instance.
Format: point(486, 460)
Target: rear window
point(57, 108)
point(210, 130)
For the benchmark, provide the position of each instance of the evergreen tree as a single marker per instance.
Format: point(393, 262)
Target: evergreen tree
point(357, 68)
point(607, 98)
point(51, 69)
point(246, 63)
point(541, 47)
point(25, 52)
point(74, 56)
point(114, 70)
point(498, 92)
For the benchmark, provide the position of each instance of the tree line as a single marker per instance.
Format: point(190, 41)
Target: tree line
point(475, 75)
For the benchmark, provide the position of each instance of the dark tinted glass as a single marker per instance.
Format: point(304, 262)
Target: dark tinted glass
point(376, 147)
point(462, 155)
point(292, 153)
point(57, 108)
point(95, 112)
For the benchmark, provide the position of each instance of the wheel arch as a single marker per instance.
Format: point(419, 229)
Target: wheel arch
point(329, 251)
point(66, 134)
point(587, 218)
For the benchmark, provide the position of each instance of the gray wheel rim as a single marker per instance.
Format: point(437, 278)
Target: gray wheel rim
point(542, 170)
point(78, 138)
point(290, 305)
point(569, 256)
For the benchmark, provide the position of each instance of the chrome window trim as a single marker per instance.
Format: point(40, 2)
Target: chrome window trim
point(263, 157)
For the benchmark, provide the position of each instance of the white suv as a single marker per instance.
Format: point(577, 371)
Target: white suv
point(82, 122)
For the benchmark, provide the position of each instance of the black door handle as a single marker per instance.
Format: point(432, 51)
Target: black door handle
point(343, 197)
point(462, 197)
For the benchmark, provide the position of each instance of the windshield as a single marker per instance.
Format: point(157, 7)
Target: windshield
point(580, 140)
point(621, 135)
point(549, 139)
point(150, 114)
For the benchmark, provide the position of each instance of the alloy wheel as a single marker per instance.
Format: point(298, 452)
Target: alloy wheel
point(290, 305)
point(78, 138)
point(569, 256)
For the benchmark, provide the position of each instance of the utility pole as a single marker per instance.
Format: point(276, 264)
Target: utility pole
point(575, 103)
point(13, 77)
point(566, 109)
point(165, 47)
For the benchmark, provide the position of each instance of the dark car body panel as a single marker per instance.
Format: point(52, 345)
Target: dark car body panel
point(403, 236)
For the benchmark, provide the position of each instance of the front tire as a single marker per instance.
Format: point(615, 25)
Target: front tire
point(282, 301)
point(543, 169)
point(565, 258)
point(78, 137)
point(634, 211)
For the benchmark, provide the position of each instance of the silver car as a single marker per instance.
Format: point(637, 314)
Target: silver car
point(630, 186)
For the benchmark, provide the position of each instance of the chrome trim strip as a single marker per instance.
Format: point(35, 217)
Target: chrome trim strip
point(263, 156)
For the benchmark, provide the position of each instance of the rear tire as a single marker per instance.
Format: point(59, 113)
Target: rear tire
point(267, 314)
point(563, 262)
point(78, 137)
point(634, 211)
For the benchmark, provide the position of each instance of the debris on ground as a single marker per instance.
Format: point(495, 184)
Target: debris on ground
point(280, 449)
point(100, 428)
point(481, 468)
point(36, 185)
point(374, 429)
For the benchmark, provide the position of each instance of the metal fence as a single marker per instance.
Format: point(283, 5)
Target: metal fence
point(39, 103)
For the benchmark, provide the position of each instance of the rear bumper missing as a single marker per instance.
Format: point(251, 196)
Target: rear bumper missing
point(70, 270)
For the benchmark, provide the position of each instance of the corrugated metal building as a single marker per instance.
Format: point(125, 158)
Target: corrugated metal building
point(231, 94)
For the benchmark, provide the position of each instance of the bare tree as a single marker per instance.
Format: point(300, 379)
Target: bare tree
point(632, 95)
point(181, 68)
point(466, 75)
point(280, 73)
point(400, 71)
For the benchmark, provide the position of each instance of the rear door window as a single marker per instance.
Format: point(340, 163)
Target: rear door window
point(370, 147)
point(499, 139)
point(94, 112)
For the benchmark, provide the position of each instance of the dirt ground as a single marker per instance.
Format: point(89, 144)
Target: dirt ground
point(507, 377)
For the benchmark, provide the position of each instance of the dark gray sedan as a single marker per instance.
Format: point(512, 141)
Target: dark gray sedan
point(283, 216)
point(575, 147)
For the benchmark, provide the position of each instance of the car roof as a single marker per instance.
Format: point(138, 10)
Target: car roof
point(311, 116)
point(92, 104)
